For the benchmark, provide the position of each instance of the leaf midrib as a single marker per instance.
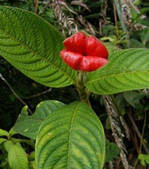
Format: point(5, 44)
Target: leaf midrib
point(70, 133)
point(36, 54)
point(116, 74)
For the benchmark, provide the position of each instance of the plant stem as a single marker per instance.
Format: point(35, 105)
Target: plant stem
point(142, 135)
point(137, 132)
point(83, 92)
point(115, 20)
point(121, 18)
point(14, 93)
point(38, 94)
point(36, 2)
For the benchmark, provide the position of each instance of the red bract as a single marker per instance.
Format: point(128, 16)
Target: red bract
point(84, 52)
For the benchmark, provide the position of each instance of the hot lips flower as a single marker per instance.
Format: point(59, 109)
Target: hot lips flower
point(84, 52)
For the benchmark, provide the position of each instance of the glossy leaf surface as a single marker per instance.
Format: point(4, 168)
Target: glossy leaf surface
point(127, 70)
point(32, 45)
point(71, 137)
point(28, 125)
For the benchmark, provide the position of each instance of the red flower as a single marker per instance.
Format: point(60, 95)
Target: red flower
point(84, 52)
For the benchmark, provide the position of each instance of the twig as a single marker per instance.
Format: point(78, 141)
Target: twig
point(14, 93)
point(121, 18)
point(38, 94)
point(115, 20)
point(142, 135)
point(36, 3)
point(111, 165)
point(141, 142)
point(138, 132)
point(133, 6)
point(103, 14)
point(80, 3)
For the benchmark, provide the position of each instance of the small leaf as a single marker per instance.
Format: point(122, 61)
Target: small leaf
point(33, 165)
point(28, 125)
point(71, 137)
point(7, 145)
point(112, 151)
point(12, 132)
point(17, 158)
point(121, 105)
point(133, 98)
point(144, 159)
point(3, 133)
point(2, 140)
point(32, 156)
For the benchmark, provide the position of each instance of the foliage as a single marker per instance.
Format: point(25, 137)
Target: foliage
point(14, 155)
point(71, 137)
point(17, 157)
point(112, 151)
point(127, 70)
point(41, 60)
point(31, 44)
point(28, 125)
point(144, 159)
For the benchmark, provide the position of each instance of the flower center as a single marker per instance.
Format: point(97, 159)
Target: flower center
point(84, 54)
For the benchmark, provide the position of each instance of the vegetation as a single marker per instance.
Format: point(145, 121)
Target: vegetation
point(57, 117)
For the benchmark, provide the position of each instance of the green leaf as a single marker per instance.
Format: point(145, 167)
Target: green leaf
point(144, 21)
point(7, 145)
point(2, 140)
point(126, 70)
point(133, 98)
point(121, 104)
point(32, 156)
point(144, 10)
point(144, 36)
point(28, 125)
point(137, 2)
point(17, 157)
point(12, 132)
point(71, 137)
point(144, 159)
point(3, 133)
point(32, 45)
point(134, 14)
point(112, 151)
point(33, 165)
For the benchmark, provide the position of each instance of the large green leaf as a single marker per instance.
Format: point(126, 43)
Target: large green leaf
point(32, 45)
point(17, 157)
point(71, 138)
point(127, 70)
point(28, 125)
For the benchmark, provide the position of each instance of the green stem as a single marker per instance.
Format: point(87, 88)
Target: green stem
point(80, 85)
